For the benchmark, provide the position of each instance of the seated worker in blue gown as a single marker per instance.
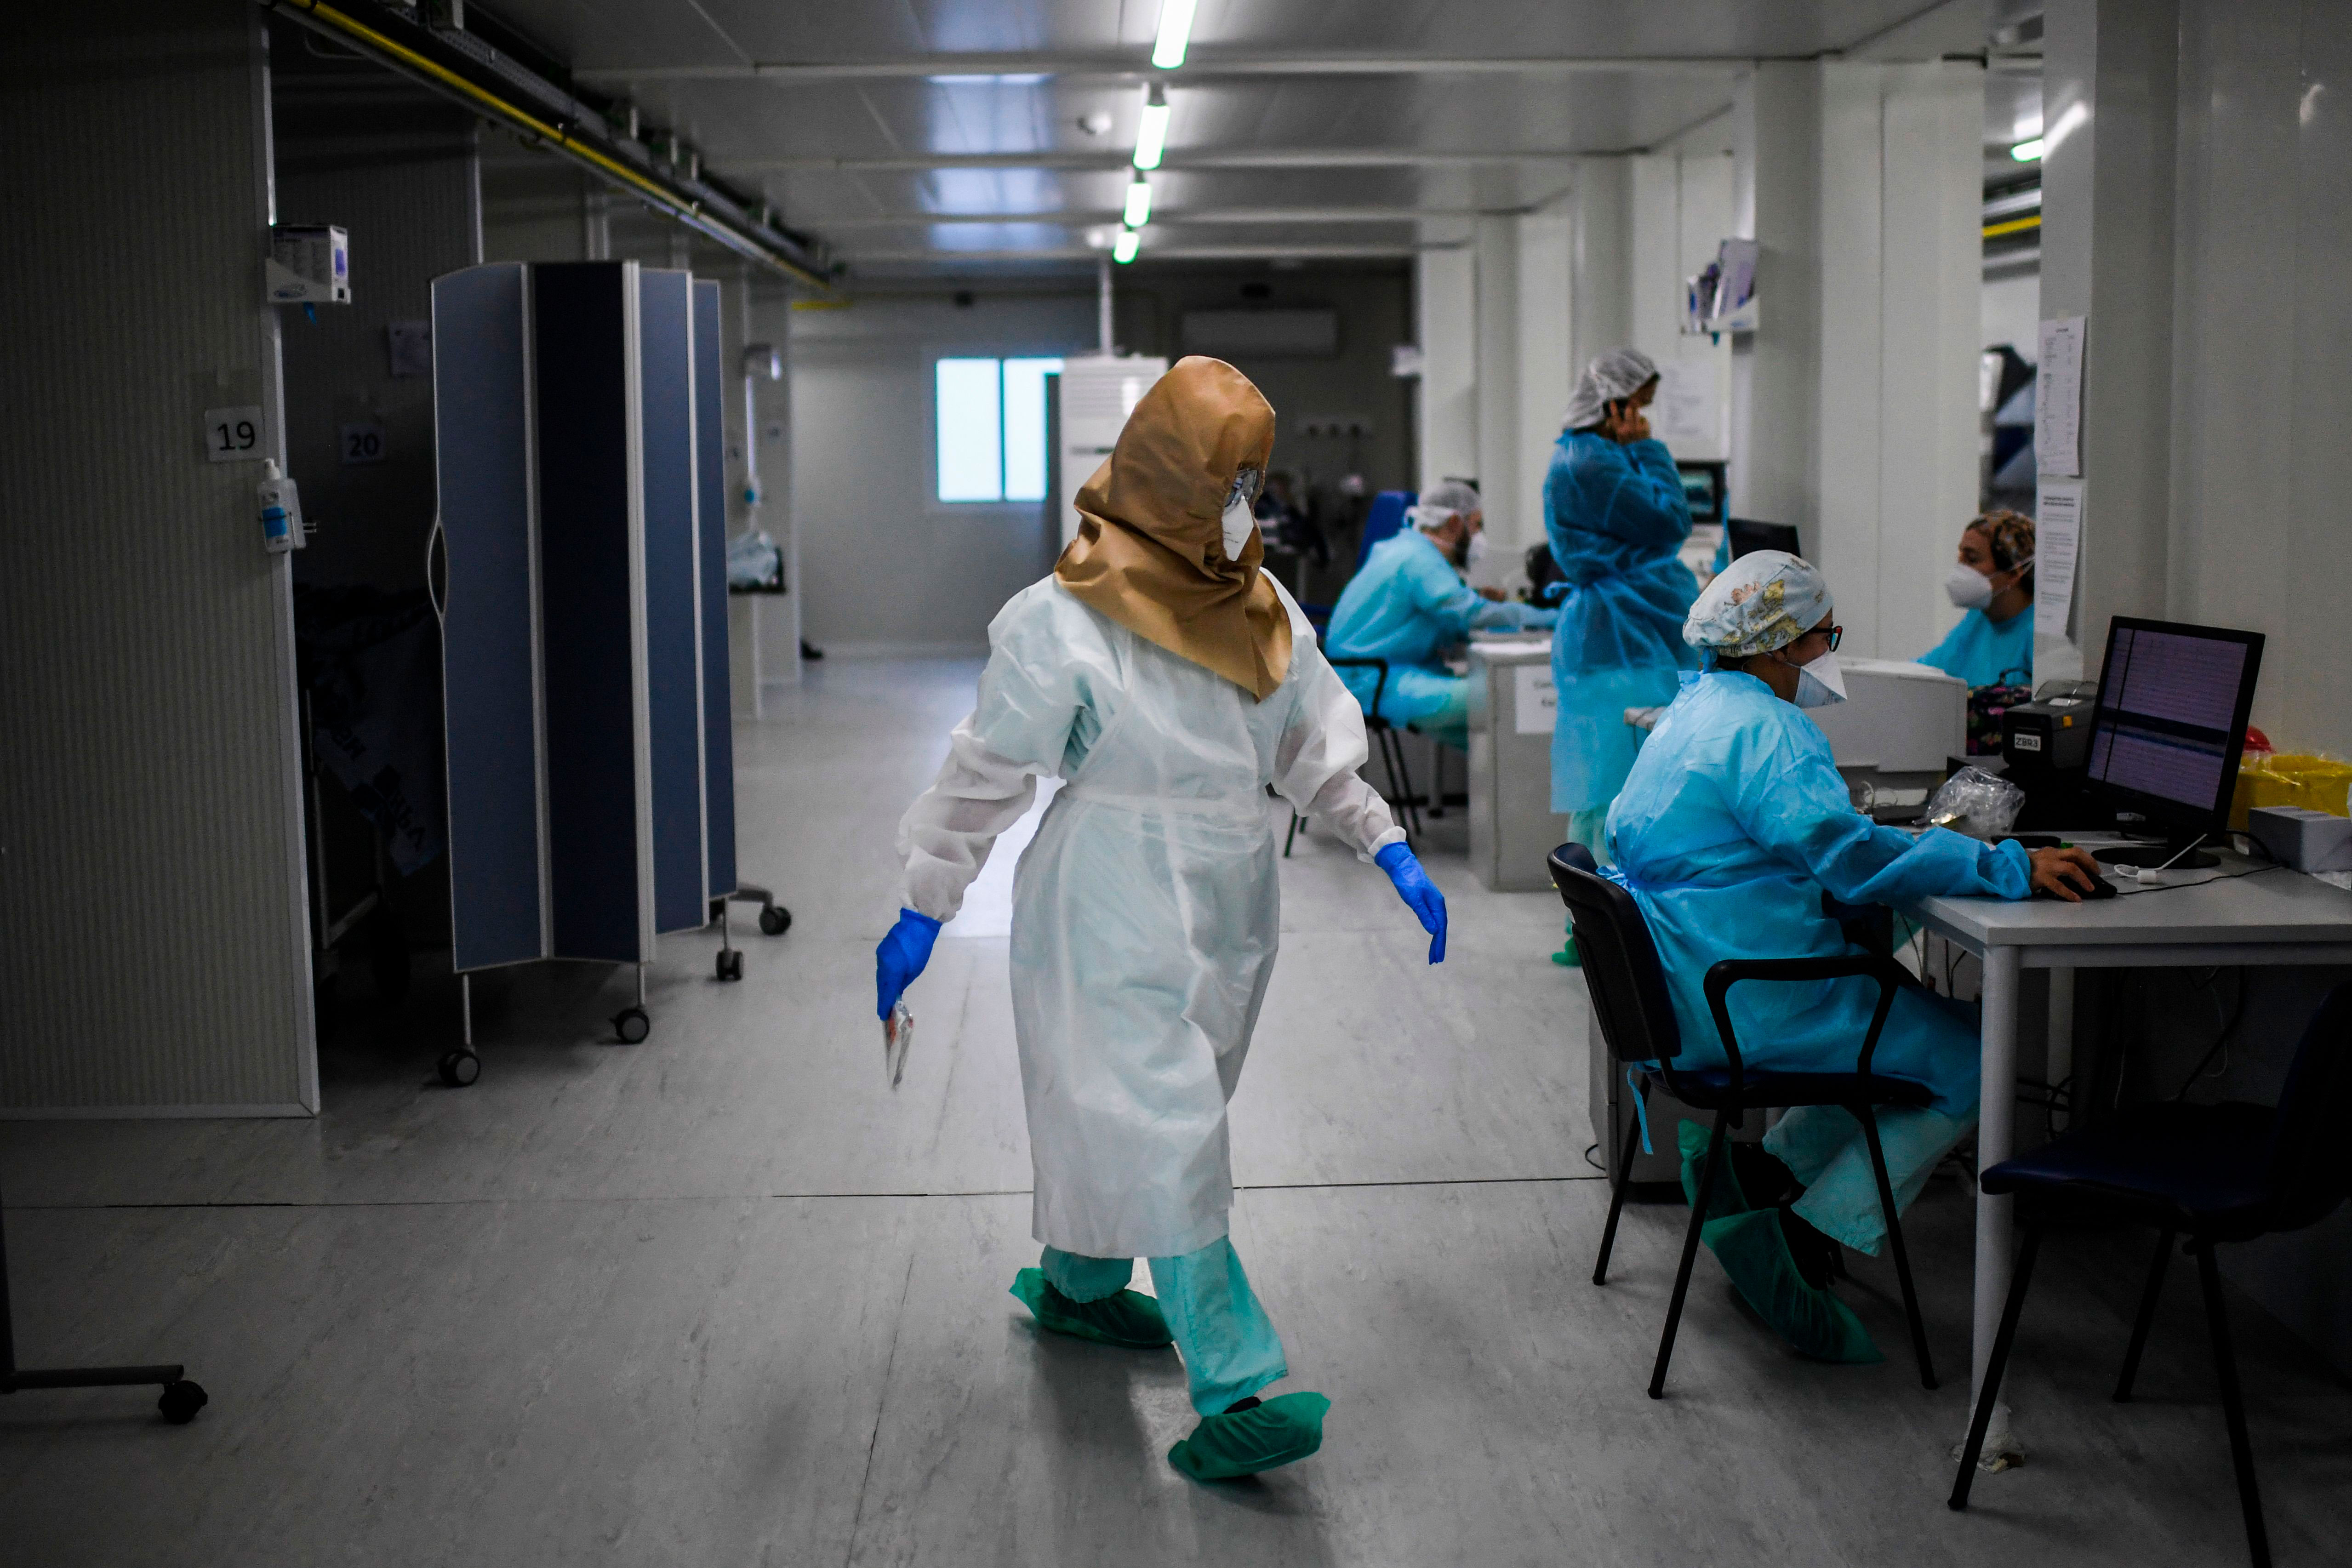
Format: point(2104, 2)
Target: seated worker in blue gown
point(1730, 826)
point(1410, 603)
point(1993, 582)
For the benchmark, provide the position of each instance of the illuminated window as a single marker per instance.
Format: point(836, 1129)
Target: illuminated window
point(992, 428)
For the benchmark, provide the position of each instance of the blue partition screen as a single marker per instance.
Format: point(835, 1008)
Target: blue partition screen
point(583, 318)
point(710, 380)
point(673, 627)
point(481, 403)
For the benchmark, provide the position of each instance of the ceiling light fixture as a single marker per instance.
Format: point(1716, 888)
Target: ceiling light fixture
point(1124, 251)
point(1175, 32)
point(2027, 152)
point(1152, 131)
point(1138, 201)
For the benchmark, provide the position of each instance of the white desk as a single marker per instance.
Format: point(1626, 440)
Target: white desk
point(2274, 917)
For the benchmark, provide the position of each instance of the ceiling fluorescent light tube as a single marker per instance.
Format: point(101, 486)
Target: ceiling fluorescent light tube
point(1138, 201)
point(1175, 32)
point(2027, 152)
point(1123, 252)
point(1152, 131)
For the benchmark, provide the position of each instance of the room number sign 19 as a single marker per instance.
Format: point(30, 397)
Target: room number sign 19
point(233, 435)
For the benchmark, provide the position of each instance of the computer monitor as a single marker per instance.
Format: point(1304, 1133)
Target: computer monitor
point(2169, 728)
point(1747, 536)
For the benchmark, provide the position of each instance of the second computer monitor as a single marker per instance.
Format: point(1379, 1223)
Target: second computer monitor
point(2170, 724)
point(1746, 536)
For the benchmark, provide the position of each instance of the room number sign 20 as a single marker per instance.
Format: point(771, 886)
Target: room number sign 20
point(233, 435)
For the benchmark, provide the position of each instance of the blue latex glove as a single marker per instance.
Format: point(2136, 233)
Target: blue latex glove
point(901, 957)
point(1420, 895)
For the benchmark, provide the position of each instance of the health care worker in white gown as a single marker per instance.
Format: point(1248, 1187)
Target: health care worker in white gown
point(1731, 823)
point(1168, 681)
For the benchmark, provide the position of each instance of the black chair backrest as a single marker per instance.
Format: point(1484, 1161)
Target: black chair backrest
point(2308, 1176)
point(1620, 962)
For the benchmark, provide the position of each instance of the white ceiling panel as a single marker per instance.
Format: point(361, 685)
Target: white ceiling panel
point(975, 108)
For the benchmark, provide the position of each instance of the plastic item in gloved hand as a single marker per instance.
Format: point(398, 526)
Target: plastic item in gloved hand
point(1420, 895)
point(1243, 1442)
point(1129, 1319)
point(897, 1039)
point(900, 957)
point(1756, 1254)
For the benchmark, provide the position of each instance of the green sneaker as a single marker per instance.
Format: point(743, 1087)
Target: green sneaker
point(1130, 1320)
point(1755, 1252)
point(1252, 1437)
point(1728, 1198)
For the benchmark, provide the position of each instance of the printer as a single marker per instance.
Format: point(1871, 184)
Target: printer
point(2045, 750)
point(1898, 723)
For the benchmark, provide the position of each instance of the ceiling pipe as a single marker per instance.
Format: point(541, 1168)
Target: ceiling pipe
point(686, 202)
point(1197, 158)
point(1165, 217)
point(1200, 65)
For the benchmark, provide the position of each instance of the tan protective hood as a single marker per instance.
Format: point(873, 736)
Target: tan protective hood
point(1150, 550)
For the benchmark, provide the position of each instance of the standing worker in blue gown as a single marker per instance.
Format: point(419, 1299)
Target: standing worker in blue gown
point(1993, 582)
point(1731, 824)
point(1616, 515)
point(1410, 602)
point(1169, 680)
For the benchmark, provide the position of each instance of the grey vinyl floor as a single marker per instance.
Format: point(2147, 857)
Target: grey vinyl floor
point(722, 1297)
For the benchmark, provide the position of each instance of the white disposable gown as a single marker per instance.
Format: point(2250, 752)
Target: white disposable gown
point(1146, 910)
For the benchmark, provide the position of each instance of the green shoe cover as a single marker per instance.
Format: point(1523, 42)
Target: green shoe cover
point(1130, 1320)
point(1728, 1198)
point(1567, 959)
point(1242, 1443)
point(1756, 1256)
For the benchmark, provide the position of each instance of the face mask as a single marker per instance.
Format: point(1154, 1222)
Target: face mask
point(1474, 552)
point(1821, 683)
point(1241, 512)
point(1968, 588)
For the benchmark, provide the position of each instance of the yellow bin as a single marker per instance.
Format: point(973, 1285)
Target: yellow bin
point(2290, 778)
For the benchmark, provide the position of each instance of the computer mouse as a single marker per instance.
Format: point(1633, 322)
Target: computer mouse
point(2100, 888)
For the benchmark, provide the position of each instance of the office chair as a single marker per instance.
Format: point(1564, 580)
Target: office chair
point(2214, 1173)
point(1637, 1015)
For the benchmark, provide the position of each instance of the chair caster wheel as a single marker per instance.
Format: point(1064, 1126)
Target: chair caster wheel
point(460, 1068)
point(632, 1025)
point(181, 1401)
point(730, 964)
point(775, 920)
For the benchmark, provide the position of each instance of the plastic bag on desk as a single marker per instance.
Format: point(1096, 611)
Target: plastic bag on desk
point(754, 564)
point(1975, 802)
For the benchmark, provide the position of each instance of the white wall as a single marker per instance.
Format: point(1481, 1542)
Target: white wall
point(1496, 249)
point(157, 956)
point(1680, 212)
point(1853, 403)
point(2009, 310)
point(883, 565)
point(1445, 311)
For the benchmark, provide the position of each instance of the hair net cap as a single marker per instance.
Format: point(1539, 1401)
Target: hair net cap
point(1441, 504)
point(1765, 600)
point(1619, 373)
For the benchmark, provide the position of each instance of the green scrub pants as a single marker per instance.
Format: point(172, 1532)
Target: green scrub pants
point(1229, 1345)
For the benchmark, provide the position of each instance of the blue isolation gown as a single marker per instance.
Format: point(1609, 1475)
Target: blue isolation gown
point(1407, 605)
point(1981, 650)
point(1731, 824)
point(1617, 518)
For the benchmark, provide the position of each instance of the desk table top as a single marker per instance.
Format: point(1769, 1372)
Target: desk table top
point(2268, 904)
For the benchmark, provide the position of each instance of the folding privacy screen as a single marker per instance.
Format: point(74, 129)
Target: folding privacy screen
point(580, 453)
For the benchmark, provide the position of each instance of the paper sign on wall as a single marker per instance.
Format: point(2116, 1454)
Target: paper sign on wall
point(1535, 705)
point(2058, 399)
point(2057, 541)
point(1686, 409)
